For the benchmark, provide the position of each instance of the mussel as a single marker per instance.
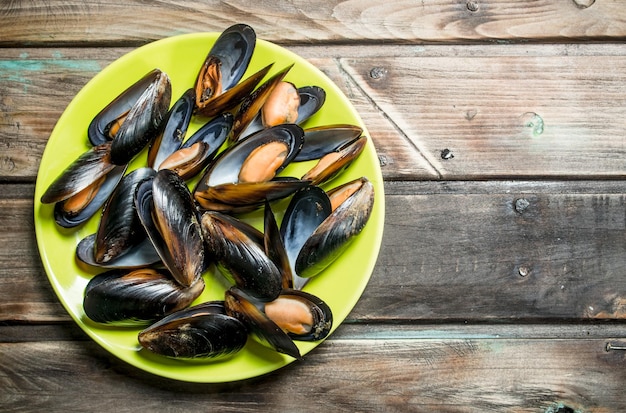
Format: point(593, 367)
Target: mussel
point(264, 330)
point(293, 315)
point(253, 104)
point(136, 297)
point(310, 100)
point(243, 175)
point(204, 331)
point(193, 155)
point(106, 123)
point(170, 219)
point(141, 124)
point(322, 140)
point(240, 255)
point(173, 130)
point(332, 164)
point(310, 252)
point(84, 186)
point(120, 229)
point(217, 85)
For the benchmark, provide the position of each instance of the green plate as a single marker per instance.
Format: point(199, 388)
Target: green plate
point(341, 285)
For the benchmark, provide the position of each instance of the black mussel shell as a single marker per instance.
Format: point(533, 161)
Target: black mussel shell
point(221, 183)
point(321, 140)
point(80, 174)
point(99, 129)
point(248, 196)
point(204, 331)
point(143, 120)
point(252, 104)
point(311, 100)
point(303, 316)
point(141, 255)
point(240, 258)
point(264, 330)
point(120, 229)
point(170, 219)
point(196, 152)
point(72, 217)
point(173, 130)
point(274, 246)
point(227, 166)
point(136, 297)
point(332, 164)
point(218, 87)
point(334, 234)
point(308, 208)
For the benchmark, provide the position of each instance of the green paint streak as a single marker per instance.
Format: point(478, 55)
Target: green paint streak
point(22, 71)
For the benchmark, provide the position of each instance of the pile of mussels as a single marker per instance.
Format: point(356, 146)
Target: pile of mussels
point(156, 238)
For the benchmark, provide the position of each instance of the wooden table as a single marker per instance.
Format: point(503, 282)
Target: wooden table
point(501, 132)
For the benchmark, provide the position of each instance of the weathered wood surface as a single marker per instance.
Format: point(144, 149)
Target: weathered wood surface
point(499, 286)
point(507, 114)
point(135, 21)
point(449, 375)
point(486, 251)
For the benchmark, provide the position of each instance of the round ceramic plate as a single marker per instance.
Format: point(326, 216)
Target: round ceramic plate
point(340, 285)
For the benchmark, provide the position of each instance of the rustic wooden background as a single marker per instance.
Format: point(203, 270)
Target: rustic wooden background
point(501, 132)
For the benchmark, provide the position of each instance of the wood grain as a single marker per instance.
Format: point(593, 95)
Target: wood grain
point(535, 115)
point(492, 251)
point(447, 375)
point(38, 22)
point(500, 131)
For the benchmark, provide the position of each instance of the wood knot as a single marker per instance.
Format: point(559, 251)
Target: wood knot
point(472, 6)
point(583, 4)
point(378, 73)
point(446, 154)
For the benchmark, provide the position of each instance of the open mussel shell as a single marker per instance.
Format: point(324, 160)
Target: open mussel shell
point(120, 229)
point(311, 100)
point(218, 87)
point(321, 140)
point(247, 196)
point(355, 201)
point(173, 130)
point(303, 316)
point(264, 330)
point(76, 210)
point(308, 208)
point(197, 152)
point(104, 125)
point(203, 331)
point(88, 168)
point(170, 219)
point(136, 297)
point(332, 164)
point(83, 187)
point(243, 174)
point(141, 124)
point(253, 103)
point(139, 256)
point(240, 257)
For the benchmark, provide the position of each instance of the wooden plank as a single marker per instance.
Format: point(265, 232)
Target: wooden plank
point(65, 22)
point(448, 375)
point(483, 120)
point(504, 117)
point(451, 251)
point(32, 101)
